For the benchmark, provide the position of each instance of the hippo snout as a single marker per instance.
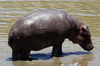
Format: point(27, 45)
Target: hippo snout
point(87, 47)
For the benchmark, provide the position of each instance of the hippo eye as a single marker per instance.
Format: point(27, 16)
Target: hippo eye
point(89, 35)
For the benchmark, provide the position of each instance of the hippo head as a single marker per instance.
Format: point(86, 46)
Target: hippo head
point(83, 38)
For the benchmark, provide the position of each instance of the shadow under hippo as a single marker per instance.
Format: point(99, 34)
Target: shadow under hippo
point(46, 56)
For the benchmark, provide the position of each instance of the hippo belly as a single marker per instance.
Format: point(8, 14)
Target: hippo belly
point(38, 42)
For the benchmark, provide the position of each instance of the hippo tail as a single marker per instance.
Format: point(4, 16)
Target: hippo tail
point(13, 42)
point(11, 39)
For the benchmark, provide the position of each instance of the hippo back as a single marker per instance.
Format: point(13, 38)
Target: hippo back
point(41, 22)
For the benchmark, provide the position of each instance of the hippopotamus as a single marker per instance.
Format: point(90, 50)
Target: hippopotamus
point(46, 28)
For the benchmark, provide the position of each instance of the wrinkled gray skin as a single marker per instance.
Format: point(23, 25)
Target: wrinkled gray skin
point(46, 28)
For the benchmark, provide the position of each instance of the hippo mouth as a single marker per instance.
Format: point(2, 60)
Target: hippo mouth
point(87, 47)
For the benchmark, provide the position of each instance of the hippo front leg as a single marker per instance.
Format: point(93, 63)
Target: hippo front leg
point(57, 51)
point(57, 48)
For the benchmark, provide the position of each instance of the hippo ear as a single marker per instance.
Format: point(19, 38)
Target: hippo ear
point(83, 28)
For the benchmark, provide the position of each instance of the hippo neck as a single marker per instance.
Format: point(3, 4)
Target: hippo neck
point(74, 27)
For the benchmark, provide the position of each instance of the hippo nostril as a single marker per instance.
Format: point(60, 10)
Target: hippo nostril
point(90, 47)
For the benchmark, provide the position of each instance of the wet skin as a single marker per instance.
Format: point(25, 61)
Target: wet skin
point(46, 28)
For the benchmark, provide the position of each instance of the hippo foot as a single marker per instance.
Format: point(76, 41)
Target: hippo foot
point(60, 54)
point(27, 59)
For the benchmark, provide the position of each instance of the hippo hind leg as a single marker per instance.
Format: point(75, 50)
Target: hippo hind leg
point(24, 55)
point(15, 55)
point(20, 55)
